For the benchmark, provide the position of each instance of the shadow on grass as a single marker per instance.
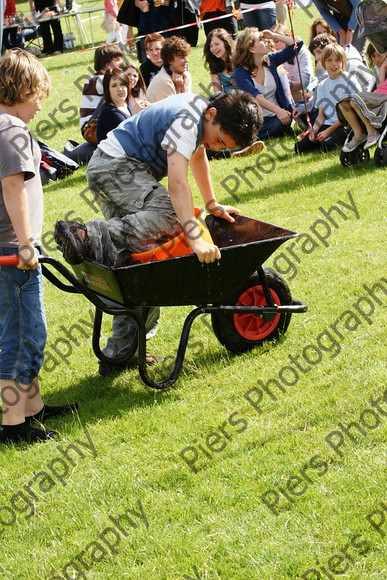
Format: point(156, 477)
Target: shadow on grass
point(109, 397)
point(249, 183)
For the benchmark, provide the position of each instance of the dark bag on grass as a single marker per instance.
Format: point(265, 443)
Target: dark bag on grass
point(60, 165)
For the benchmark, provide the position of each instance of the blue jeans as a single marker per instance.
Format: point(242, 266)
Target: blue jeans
point(22, 322)
point(272, 127)
point(262, 18)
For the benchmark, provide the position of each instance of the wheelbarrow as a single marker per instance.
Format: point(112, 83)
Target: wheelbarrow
point(249, 304)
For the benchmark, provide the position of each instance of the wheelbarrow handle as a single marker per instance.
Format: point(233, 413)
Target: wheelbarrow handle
point(11, 260)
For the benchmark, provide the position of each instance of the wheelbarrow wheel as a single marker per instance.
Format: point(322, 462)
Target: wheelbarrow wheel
point(242, 332)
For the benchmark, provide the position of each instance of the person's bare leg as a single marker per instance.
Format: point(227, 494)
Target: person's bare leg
point(370, 129)
point(19, 401)
point(353, 120)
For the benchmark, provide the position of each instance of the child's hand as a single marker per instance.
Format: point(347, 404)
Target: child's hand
point(205, 252)
point(178, 81)
point(143, 104)
point(28, 258)
point(296, 113)
point(323, 135)
point(224, 212)
point(284, 116)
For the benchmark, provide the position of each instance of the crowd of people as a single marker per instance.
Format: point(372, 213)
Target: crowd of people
point(141, 124)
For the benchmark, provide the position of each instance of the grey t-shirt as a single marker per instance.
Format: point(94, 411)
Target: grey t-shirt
point(20, 153)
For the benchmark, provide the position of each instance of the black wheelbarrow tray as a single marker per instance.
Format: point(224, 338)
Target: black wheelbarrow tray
point(249, 304)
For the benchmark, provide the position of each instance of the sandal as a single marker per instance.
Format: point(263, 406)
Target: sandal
point(354, 143)
point(372, 140)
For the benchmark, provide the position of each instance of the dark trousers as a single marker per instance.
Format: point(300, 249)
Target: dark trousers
point(335, 140)
point(230, 23)
point(48, 46)
point(181, 15)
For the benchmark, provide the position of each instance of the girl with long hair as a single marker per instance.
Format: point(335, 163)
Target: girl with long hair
point(320, 26)
point(114, 109)
point(255, 71)
point(218, 51)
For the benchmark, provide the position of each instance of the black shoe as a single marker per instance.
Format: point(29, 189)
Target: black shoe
point(24, 432)
point(51, 412)
point(67, 238)
point(106, 369)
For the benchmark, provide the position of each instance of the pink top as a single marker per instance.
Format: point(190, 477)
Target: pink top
point(111, 7)
point(382, 88)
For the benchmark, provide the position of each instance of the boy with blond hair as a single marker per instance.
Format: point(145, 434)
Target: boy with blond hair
point(22, 318)
point(327, 132)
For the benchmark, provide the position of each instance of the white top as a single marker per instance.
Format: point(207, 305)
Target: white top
point(162, 86)
point(180, 137)
point(306, 68)
point(268, 90)
point(331, 91)
point(185, 142)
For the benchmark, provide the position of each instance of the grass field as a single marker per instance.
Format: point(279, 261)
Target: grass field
point(286, 443)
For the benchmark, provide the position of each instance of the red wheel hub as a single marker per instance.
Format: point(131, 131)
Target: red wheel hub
point(251, 326)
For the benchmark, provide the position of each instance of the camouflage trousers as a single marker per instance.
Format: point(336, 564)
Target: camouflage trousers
point(136, 207)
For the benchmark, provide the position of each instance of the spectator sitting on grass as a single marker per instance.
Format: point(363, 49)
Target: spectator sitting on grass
point(218, 50)
point(173, 77)
point(366, 111)
point(137, 90)
point(154, 62)
point(327, 132)
point(257, 71)
point(114, 110)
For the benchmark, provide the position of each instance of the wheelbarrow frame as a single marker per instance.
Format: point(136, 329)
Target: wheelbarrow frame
point(245, 245)
point(107, 306)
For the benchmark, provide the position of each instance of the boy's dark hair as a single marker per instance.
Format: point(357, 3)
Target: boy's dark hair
point(104, 54)
point(239, 115)
point(321, 41)
point(175, 45)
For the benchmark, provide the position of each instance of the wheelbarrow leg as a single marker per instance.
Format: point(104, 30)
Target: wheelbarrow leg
point(96, 341)
point(266, 290)
point(179, 355)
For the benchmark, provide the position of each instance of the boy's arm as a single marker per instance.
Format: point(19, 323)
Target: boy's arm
point(181, 199)
point(319, 122)
point(201, 172)
point(328, 131)
point(16, 204)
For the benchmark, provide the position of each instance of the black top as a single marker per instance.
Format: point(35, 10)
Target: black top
point(109, 118)
point(149, 70)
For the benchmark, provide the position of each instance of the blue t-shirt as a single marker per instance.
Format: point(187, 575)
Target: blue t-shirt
point(140, 136)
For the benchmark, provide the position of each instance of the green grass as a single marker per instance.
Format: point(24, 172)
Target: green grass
point(214, 521)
